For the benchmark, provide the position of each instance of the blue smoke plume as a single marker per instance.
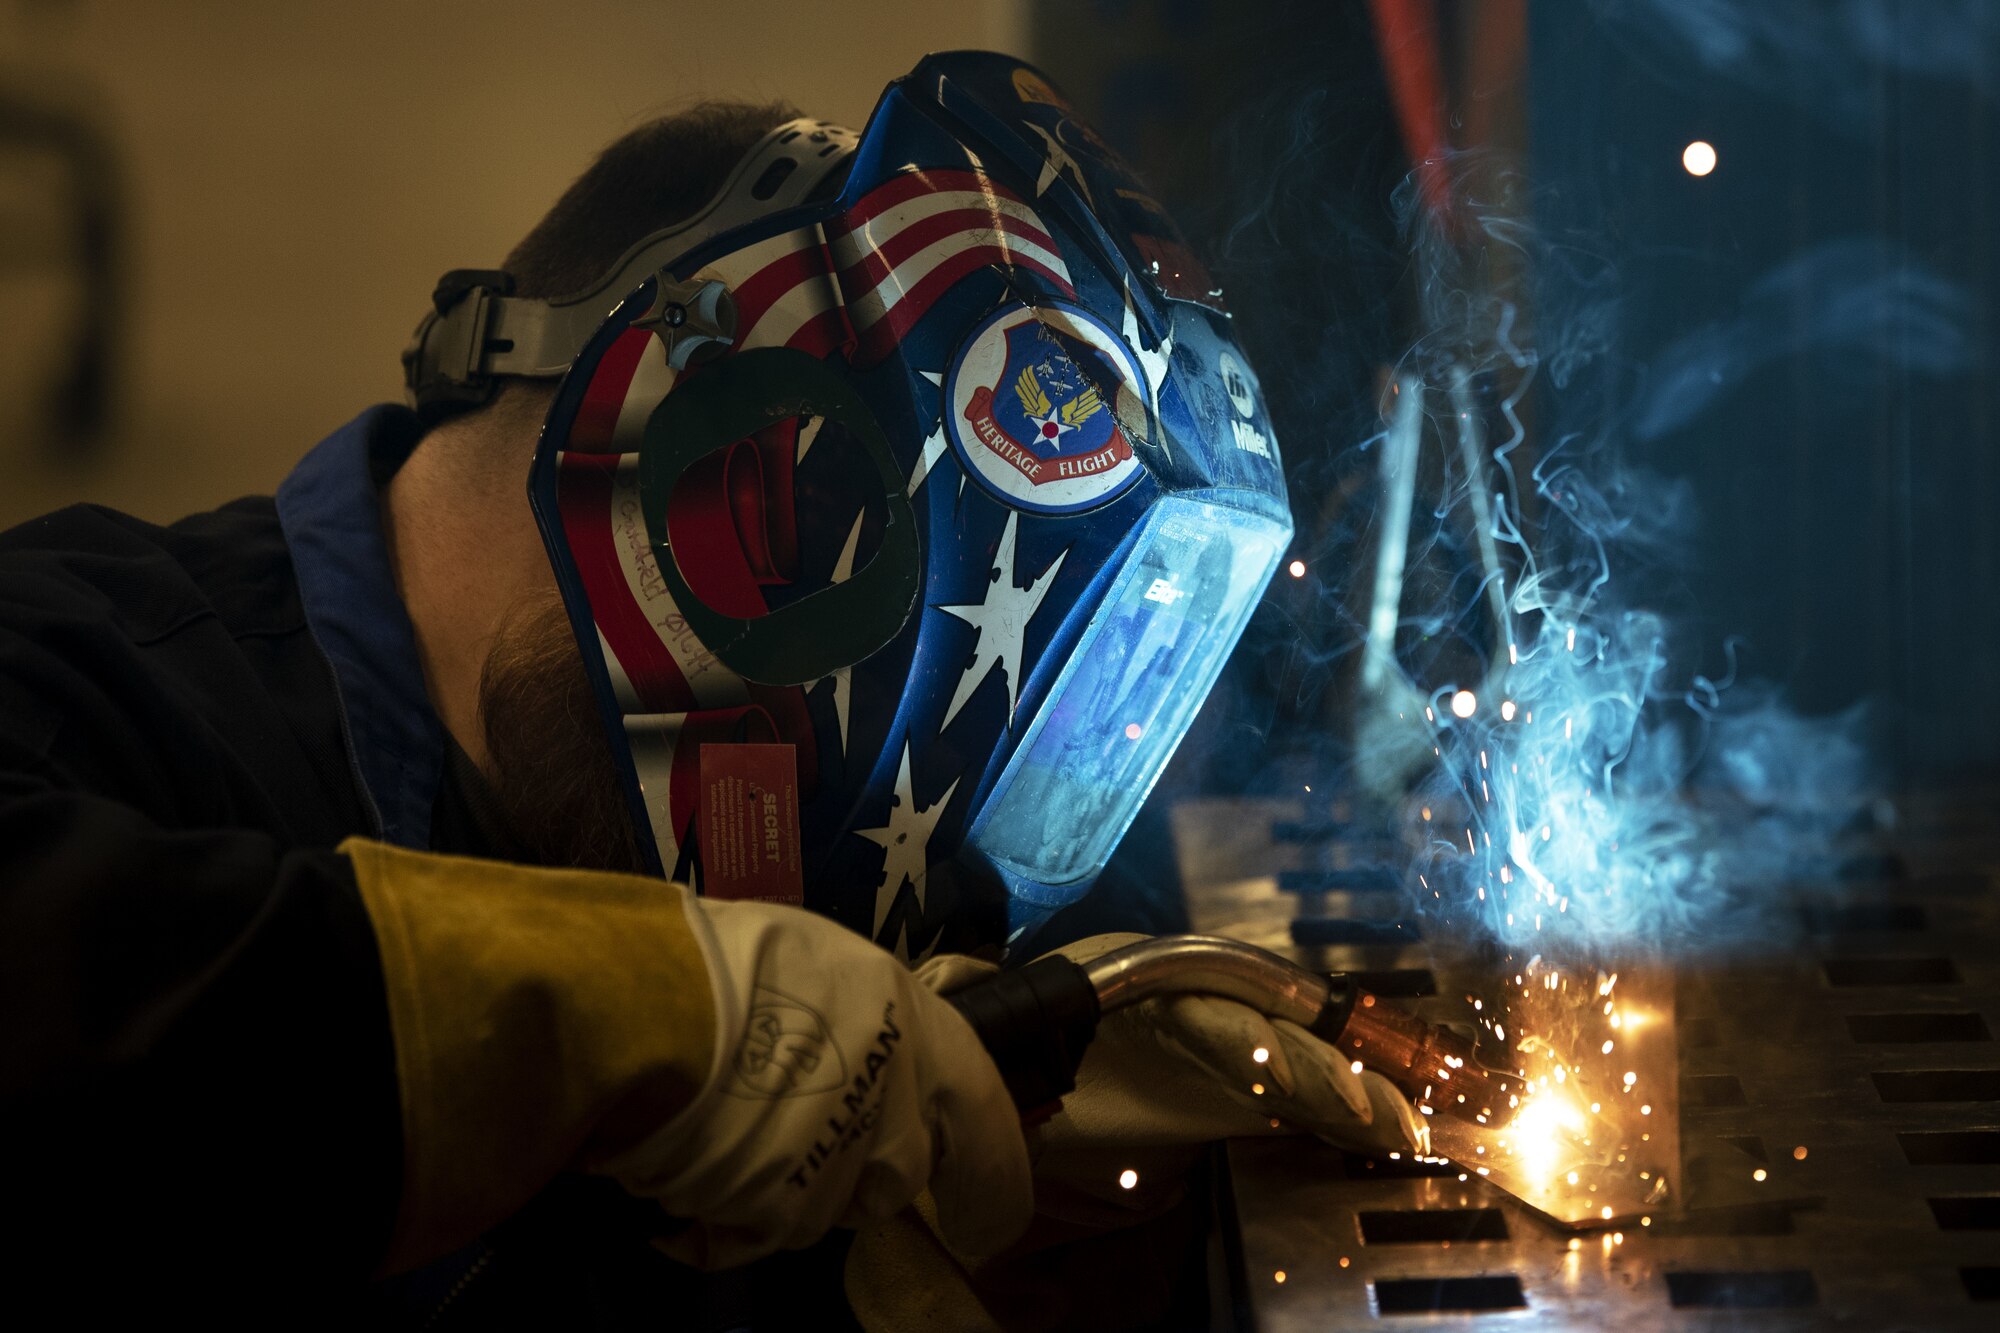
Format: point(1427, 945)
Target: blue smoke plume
point(1579, 792)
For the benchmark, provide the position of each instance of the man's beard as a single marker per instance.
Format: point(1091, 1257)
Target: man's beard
point(548, 757)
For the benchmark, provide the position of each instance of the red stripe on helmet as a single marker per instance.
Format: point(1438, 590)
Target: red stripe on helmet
point(874, 266)
point(756, 294)
point(911, 184)
point(584, 494)
point(881, 337)
point(596, 421)
point(823, 334)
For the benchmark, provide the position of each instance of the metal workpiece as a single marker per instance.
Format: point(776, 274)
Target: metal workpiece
point(1836, 1087)
point(1595, 1143)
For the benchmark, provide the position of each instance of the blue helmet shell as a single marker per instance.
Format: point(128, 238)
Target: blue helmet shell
point(965, 521)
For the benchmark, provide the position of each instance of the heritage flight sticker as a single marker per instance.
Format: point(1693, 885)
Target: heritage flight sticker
point(1037, 406)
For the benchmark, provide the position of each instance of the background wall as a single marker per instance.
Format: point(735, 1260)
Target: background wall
point(292, 179)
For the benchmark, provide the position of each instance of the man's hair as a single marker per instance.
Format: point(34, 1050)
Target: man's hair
point(653, 177)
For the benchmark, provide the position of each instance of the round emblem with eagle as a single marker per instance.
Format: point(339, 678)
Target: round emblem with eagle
point(1043, 406)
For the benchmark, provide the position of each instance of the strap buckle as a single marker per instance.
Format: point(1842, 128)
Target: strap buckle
point(444, 365)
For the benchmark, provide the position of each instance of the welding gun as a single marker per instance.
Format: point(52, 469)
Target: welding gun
point(1036, 1021)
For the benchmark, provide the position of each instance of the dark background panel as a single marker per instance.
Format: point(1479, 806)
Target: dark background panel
point(1803, 337)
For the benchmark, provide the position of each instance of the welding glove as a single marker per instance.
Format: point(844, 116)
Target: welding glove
point(1185, 1069)
point(758, 1070)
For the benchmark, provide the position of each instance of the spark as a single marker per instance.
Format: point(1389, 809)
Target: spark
point(1507, 710)
point(1260, 1055)
point(1128, 1178)
point(1355, 1067)
point(1799, 1153)
point(1759, 1174)
point(1464, 704)
point(1297, 569)
point(1698, 157)
point(1279, 1277)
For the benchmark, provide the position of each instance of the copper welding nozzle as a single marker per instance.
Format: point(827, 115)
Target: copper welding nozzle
point(1432, 1064)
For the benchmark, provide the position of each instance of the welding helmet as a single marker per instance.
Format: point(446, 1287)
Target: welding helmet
point(906, 501)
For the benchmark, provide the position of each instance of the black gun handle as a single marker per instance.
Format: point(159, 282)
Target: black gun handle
point(1035, 1022)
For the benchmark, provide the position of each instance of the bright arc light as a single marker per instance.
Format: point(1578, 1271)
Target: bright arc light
point(1464, 703)
point(1297, 568)
point(1698, 157)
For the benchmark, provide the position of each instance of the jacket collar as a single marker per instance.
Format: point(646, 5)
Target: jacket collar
point(330, 511)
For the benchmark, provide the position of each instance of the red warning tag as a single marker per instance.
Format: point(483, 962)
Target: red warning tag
point(749, 820)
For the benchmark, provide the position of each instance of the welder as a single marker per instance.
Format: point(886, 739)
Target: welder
point(514, 838)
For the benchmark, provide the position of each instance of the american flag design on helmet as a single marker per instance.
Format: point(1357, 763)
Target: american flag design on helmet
point(889, 259)
point(897, 753)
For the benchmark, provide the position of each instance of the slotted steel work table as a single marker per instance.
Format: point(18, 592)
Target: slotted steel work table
point(1840, 1115)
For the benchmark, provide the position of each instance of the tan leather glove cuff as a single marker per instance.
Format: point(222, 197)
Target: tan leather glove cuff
point(539, 1016)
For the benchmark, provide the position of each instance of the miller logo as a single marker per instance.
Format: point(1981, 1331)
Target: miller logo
point(1043, 405)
